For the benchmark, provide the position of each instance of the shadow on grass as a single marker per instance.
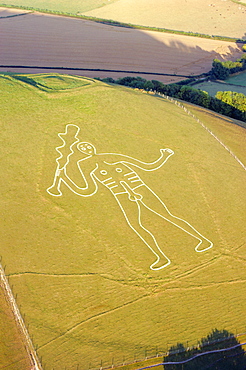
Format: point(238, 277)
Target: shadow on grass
point(220, 350)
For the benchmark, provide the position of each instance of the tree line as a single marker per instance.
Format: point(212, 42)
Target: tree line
point(222, 70)
point(228, 103)
point(208, 354)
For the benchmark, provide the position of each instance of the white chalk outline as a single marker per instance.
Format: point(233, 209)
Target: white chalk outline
point(127, 161)
point(139, 221)
point(58, 169)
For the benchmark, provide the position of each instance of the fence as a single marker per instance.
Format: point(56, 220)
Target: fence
point(36, 365)
point(177, 102)
point(166, 353)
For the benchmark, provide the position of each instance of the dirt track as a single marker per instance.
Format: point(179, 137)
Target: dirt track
point(51, 41)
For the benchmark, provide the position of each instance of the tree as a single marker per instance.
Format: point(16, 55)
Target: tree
point(148, 85)
point(219, 70)
point(206, 357)
point(157, 85)
point(233, 104)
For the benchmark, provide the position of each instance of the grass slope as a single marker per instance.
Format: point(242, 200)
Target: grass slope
point(213, 87)
point(235, 83)
point(13, 355)
point(238, 79)
point(81, 274)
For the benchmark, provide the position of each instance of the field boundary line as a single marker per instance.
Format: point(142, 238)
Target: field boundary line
point(168, 352)
point(227, 83)
point(115, 23)
point(177, 102)
point(97, 70)
point(15, 15)
point(31, 352)
point(192, 358)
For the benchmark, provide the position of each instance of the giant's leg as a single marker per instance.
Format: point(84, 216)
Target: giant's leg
point(132, 213)
point(54, 189)
point(152, 202)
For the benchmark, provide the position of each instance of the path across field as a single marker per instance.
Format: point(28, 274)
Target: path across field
point(54, 41)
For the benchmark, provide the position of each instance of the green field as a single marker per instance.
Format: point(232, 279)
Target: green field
point(238, 79)
point(81, 273)
point(74, 6)
point(229, 85)
point(236, 82)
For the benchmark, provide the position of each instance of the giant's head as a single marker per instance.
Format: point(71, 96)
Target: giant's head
point(86, 148)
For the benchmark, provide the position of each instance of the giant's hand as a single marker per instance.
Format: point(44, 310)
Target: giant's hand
point(167, 151)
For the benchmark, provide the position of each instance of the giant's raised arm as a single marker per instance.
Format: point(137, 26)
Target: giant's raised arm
point(112, 159)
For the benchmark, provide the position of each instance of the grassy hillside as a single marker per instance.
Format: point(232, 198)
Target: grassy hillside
point(235, 83)
point(81, 273)
point(13, 355)
point(222, 127)
point(238, 79)
point(213, 87)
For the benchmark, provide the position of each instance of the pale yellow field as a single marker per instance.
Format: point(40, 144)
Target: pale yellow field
point(52, 41)
point(5, 12)
point(213, 17)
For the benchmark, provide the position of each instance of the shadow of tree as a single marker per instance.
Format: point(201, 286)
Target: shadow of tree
point(220, 350)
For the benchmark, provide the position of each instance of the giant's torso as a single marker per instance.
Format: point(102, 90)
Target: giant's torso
point(111, 175)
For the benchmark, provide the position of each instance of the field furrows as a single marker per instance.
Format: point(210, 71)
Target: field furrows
point(151, 286)
point(122, 282)
point(74, 43)
point(99, 315)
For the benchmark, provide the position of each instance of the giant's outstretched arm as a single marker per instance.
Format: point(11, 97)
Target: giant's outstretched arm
point(112, 159)
point(61, 176)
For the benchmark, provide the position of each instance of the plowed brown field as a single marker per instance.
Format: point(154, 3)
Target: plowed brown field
point(54, 41)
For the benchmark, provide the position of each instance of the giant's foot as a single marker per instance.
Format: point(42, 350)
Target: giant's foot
point(204, 245)
point(160, 263)
point(53, 190)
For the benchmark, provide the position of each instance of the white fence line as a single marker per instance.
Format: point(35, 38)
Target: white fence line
point(202, 124)
point(36, 365)
point(167, 353)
